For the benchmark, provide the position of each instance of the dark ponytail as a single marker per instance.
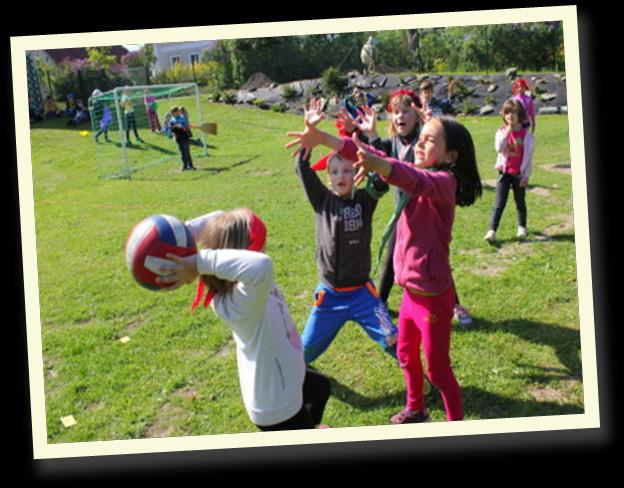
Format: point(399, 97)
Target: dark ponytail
point(465, 166)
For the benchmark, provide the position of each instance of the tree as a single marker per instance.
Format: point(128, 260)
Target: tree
point(101, 57)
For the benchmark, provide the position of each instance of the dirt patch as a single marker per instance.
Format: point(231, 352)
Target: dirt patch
point(559, 168)
point(538, 190)
point(547, 394)
point(489, 183)
point(162, 426)
point(567, 225)
point(226, 350)
point(496, 264)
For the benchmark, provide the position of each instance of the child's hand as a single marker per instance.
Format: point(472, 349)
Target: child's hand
point(524, 182)
point(184, 271)
point(313, 113)
point(308, 139)
point(366, 122)
point(347, 122)
point(368, 162)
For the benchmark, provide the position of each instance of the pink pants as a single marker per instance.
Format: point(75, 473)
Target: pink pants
point(427, 320)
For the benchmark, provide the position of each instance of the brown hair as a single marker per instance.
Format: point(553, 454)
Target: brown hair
point(513, 104)
point(229, 230)
point(401, 100)
point(425, 85)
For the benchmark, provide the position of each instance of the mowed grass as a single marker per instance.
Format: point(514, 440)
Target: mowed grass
point(177, 374)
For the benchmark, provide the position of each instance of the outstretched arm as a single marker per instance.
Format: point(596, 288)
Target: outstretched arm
point(311, 136)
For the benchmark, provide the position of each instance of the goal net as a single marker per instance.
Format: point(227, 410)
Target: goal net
point(131, 131)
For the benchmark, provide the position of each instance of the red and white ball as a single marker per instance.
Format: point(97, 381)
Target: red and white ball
point(148, 244)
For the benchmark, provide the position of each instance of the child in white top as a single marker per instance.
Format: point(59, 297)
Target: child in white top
point(514, 146)
point(278, 392)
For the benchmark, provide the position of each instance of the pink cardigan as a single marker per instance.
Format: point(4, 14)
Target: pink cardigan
point(423, 233)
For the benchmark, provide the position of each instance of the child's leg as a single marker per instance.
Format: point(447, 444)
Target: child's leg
point(408, 353)
point(520, 199)
point(502, 192)
point(316, 391)
point(386, 278)
point(434, 322)
point(182, 147)
point(301, 420)
point(324, 323)
point(372, 315)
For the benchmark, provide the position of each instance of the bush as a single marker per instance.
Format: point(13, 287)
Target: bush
point(333, 82)
point(469, 108)
point(279, 107)
point(207, 73)
point(289, 92)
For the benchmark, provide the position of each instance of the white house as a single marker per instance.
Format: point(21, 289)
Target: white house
point(169, 53)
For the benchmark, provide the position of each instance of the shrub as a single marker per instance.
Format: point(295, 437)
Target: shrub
point(279, 107)
point(289, 92)
point(333, 82)
point(469, 107)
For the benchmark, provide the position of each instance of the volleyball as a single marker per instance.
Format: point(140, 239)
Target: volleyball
point(148, 244)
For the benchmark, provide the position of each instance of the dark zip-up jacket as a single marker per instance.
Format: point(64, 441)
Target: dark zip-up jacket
point(343, 228)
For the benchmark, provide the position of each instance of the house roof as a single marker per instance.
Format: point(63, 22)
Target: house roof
point(58, 55)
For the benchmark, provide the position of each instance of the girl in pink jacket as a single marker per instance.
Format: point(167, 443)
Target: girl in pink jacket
point(444, 174)
point(514, 146)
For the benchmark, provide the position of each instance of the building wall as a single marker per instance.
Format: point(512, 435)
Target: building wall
point(167, 53)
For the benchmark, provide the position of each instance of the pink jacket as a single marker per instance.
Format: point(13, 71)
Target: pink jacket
point(500, 144)
point(423, 233)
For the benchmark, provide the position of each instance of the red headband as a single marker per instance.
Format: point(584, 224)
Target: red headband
point(410, 93)
point(322, 163)
point(519, 82)
point(257, 240)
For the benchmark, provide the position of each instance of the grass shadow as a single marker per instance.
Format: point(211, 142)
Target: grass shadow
point(532, 237)
point(230, 167)
point(565, 342)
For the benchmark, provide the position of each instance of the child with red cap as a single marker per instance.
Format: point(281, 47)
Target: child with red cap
point(343, 238)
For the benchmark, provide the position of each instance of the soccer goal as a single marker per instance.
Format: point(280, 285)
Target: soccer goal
point(130, 128)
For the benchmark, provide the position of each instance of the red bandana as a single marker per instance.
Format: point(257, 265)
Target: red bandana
point(410, 93)
point(257, 239)
point(322, 163)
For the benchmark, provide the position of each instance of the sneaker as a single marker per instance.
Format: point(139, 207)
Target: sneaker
point(406, 416)
point(522, 232)
point(461, 315)
point(490, 236)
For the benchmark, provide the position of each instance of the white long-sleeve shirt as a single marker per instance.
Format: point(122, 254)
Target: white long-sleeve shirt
point(270, 360)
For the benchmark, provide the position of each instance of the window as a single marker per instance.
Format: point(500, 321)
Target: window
point(175, 60)
point(194, 58)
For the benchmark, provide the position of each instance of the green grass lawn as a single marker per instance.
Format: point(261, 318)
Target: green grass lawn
point(177, 375)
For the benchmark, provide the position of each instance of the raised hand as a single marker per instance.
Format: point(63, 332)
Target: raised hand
point(347, 122)
point(313, 112)
point(366, 121)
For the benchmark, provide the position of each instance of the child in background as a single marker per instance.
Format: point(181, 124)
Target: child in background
point(70, 105)
point(107, 116)
point(50, 109)
point(278, 392)
point(514, 145)
point(343, 236)
point(519, 90)
point(166, 128)
point(432, 107)
point(128, 106)
point(180, 130)
point(81, 115)
point(151, 108)
point(444, 174)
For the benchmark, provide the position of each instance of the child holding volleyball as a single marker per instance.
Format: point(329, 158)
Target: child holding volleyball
point(278, 392)
point(444, 174)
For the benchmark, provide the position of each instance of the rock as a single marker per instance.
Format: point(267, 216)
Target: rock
point(548, 110)
point(243, 96)
point(492, 88)
point(257, 80)
point(486, 109)
point(548, 97)
point(383, 80)
point(511, 73)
